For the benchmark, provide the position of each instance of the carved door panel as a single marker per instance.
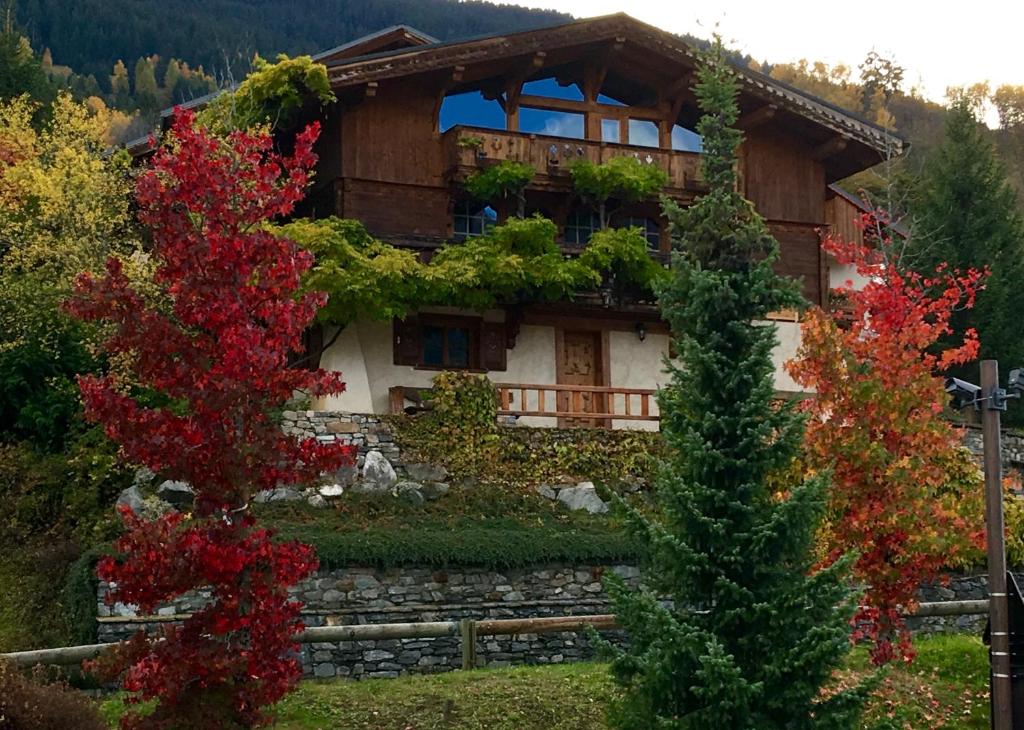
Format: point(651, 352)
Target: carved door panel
point(580, 365)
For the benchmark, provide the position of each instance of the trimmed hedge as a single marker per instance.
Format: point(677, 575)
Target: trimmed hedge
point(79, 596)
point(492, 547)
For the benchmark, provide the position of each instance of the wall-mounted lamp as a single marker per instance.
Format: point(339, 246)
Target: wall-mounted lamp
point(641, 331)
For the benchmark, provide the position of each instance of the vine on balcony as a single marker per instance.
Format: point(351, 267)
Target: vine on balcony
point(516, 262)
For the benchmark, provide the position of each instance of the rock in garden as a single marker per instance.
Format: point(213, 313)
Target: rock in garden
point(331, 490)
point(177, 494)
point(434, 490)
point(411, 492)
point(546, 490)
point(378, 474)
point(317, 501)
point(582, 496)
point(131, 497)
point(280, 494)
point(426, 472)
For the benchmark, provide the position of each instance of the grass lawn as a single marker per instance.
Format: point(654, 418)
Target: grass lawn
point(946, 687)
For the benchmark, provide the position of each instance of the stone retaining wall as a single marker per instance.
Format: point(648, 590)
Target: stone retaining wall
point(368, 596)
point(366, 432)
point(1012, 441)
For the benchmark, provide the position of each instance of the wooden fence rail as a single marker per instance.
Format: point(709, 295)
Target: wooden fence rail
point(467, 629)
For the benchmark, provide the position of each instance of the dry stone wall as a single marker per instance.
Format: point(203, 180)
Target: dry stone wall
point(370, 596)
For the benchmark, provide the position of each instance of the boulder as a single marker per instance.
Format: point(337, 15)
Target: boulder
point(426, 472)
point(317, 501)
point(546, 490)
point(177, 494)
point(434, 490)
point(280, 494)
point(133, 498)
point(582, 496)
point(331, 490)
point(378, 474)
point(411, 492)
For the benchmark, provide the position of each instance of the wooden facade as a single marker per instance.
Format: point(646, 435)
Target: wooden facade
point(387, 160)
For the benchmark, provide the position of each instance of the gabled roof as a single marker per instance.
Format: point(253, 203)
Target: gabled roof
point(392, 38)
point(864, 206)
point(677, 57)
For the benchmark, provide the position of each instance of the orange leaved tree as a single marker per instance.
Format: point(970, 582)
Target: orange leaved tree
point(876, 423)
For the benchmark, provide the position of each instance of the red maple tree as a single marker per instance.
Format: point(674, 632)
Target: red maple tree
point(877, 424)
point(206, 367)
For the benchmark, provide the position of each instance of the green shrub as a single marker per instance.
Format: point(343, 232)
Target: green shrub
point(34, 705)
point(460, 432)
point(78, 597)
point(67, 494)
point(491, 547)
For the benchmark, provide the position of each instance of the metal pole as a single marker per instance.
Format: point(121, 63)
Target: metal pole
point(999, 621)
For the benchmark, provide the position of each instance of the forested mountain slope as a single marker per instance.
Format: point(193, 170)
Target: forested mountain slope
point(90, 36)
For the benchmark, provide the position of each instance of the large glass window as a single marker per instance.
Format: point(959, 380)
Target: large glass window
point(553, 90)
point(471, 109)
point(610, 130)
point(684, 140)
point(650, 227)
point(643, 133)
point(580, 226)
point(555, 124)
point(471, 219)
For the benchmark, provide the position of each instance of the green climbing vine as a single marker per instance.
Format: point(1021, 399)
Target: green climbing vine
point(625, 179)
point(516, 262)
point(271, 95)
point(505, 180)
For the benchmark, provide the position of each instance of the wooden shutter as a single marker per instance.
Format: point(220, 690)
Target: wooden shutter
point(406, 340)
point(492, 346)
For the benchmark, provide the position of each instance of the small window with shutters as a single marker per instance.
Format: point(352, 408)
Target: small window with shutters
point(440, 342)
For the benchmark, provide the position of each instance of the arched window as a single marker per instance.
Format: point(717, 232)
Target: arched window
point(580, 226)
point(650, 227)
point(471, 219)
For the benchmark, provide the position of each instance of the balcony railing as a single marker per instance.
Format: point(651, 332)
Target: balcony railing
point(575, 404)
point(552, 156)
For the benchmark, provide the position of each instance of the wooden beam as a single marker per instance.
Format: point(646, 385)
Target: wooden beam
point(832, 147)
point(757, 117)
point(580, 107)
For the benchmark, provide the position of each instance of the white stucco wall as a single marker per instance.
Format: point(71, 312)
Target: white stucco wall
point(363, 354)
point(788, 334)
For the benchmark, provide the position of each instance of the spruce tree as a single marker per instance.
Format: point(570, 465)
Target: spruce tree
point(966, 216)
point(731, 628)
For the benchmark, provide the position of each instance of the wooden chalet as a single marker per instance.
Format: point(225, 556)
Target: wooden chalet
point(396, 144)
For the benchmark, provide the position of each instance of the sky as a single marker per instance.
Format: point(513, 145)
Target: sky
point(940, 43)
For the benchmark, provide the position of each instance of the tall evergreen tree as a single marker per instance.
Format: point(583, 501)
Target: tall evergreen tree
point(731, 628)
point(967, 215)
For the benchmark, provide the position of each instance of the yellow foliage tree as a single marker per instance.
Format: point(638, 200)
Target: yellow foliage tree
point(64, 208)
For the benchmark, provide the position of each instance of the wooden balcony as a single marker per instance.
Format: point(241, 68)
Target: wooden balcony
point(572, 405)
point(552, 156)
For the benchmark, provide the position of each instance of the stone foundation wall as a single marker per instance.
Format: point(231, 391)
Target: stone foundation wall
point(367, 432)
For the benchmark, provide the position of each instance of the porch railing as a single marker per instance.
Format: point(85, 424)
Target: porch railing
point(570, 402)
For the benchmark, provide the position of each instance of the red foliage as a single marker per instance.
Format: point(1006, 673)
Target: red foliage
point(877, 424)
point(211, 353)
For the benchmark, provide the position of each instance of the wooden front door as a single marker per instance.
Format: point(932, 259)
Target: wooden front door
point(580, 362)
